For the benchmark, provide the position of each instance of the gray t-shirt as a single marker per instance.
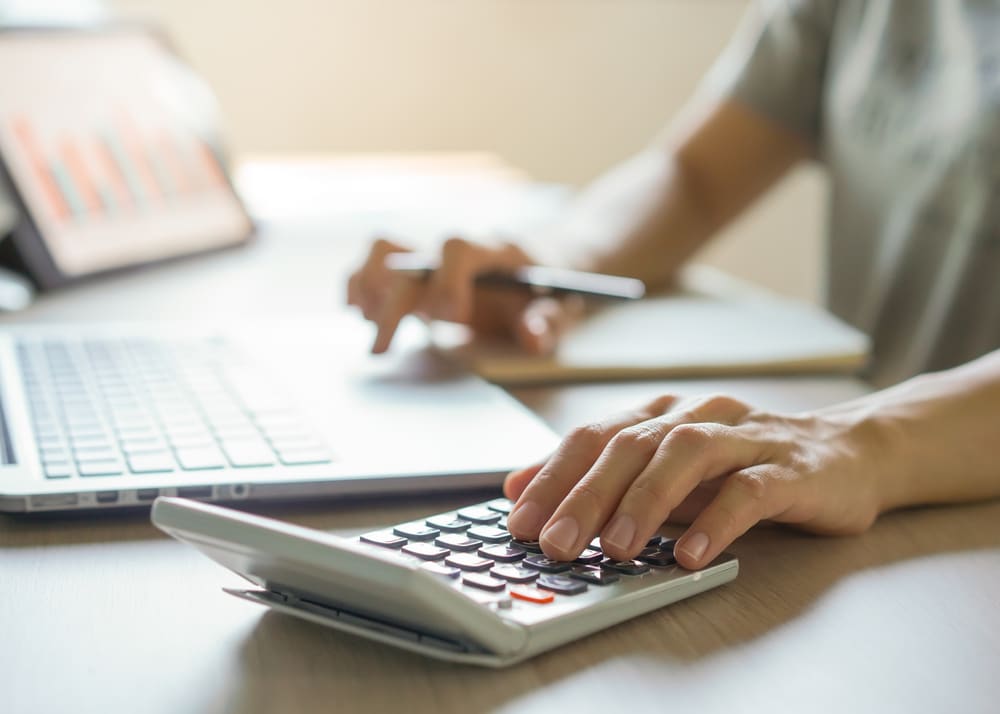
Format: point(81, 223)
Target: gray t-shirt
point(901, 99)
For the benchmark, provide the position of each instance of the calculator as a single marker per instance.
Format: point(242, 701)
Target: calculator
point(454, 586)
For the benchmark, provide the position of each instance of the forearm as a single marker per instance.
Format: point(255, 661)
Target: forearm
point(642, 220)
point(646, 217)
point(938, 435)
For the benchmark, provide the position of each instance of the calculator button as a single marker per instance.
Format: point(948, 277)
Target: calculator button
point(546, 565)
point(384, 539)
point(449, 524)
point(425, 551)
point(628, 567)
point(502, 553)
point(500, 505)
point(457, 541)
point(515, 573)
point(530, 594)
point(667, 544)
point(595, 574)
point(468, 561)
point(416, 531)
point(484, 582)
point(532, 546)
point(561, 584)
point(479, 514)
point(442, 570)
point(589, 556)
point(489, 535)
point(658, 557)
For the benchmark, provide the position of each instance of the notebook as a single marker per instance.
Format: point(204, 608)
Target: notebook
point(713, 325)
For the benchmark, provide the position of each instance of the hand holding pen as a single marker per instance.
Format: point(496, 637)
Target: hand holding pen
point(495, 290)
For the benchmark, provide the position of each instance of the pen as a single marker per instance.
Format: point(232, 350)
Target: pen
point(539, 279)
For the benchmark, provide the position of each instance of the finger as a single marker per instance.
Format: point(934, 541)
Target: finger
point(595, 495)
point(592, 500)
point(572, 459)
point(689, 455)
point(517, 481)
point(402, 298)
point(354, 290)
point(451, 290)
point(747, 497)
point(696, 501)
point(373, 279)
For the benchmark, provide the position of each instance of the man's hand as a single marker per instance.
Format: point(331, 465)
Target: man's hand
point(385, 297)
point(713, 462)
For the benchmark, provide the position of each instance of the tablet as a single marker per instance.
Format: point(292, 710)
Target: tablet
point(110, 150)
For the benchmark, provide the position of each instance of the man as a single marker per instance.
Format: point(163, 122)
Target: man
point(900, 102)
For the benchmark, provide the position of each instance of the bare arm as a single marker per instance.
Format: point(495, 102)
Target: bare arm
point(646, 217)
point(651, 213)
point(722, 466)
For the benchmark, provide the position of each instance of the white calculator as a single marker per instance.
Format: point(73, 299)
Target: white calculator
point(454, 586)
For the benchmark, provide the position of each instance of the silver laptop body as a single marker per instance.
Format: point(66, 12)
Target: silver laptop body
point(114, 415)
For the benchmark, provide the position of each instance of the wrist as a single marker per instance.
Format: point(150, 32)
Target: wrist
point(877, 441)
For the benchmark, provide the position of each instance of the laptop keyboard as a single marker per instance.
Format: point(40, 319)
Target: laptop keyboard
point(109, 407)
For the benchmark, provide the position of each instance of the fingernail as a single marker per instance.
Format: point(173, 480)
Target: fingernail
point(526, 520)
point(694, 546)
point(562, 536)
point(537, 325)
point(620, 533)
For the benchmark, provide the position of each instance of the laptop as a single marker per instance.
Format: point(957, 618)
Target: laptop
point(102, 416)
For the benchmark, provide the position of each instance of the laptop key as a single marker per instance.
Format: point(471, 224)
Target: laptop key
point(246, 454)
point(105, 453)
point(58, 470)
point(200, 459)
point(304, 457)
point(150, 463)
point(109, 467)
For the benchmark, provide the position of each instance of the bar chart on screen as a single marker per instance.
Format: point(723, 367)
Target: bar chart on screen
point(103, 140)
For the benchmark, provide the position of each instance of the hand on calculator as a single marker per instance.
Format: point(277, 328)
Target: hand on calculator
point(713, 462)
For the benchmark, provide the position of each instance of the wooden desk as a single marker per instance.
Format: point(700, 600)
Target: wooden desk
point(105, 614)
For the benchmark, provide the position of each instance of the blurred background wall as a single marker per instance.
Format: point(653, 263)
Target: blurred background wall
point(560, 88)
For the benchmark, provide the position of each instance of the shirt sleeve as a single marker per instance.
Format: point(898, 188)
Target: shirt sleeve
point(776, 63)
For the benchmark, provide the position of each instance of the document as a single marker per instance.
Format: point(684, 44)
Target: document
point(713, 326)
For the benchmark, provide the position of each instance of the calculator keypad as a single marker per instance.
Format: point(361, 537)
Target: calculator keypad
point(472, 549)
